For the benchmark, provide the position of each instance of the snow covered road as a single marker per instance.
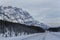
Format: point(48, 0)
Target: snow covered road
point(37, 36)
point(45, 36)
point(40, 36)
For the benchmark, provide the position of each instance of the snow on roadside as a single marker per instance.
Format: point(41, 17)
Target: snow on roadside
point(36, 36)
point(18, 37)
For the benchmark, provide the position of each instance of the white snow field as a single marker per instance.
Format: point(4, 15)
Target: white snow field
point(37, 36)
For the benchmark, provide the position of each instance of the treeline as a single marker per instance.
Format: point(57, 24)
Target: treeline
point(10, 29)
point(55, 29)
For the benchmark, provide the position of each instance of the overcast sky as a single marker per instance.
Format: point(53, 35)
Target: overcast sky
point(46, 11)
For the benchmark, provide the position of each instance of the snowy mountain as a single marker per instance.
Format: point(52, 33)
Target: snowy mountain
point(17, 15)
point(15, 21)
point(14, 14)
point(44, 26)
